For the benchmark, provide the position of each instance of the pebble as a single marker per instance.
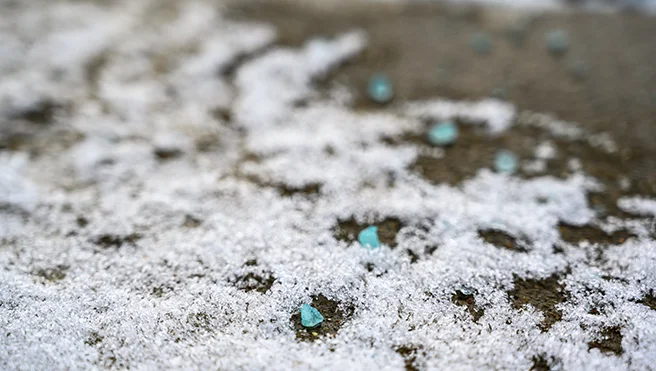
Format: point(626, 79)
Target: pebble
point(443, 133)
point(506, 162)
point(557, 42)
point(368, 237)
point(310, 316)
point(380, 89)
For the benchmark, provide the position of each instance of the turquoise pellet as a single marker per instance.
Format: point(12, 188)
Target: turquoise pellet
point(310, 316)
point(380, 89)
point(506, 162)
point(481, 43)
point(557, 42)
point(443, 133)
point(368, 237)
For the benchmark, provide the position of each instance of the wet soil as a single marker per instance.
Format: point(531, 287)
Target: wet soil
point(334, 313)
point(609, 341)
point(348, 230)
point(543, 294)
point(425, 49)
point(468, 301)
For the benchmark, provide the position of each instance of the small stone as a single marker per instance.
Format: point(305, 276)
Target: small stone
point(380, 89)
point(481, 43)
point(557, 42)
point(368, 237)
point(310, 316)
point(506, 162)
point(443, 133)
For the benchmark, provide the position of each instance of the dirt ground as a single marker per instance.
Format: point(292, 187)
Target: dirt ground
point(606, 81)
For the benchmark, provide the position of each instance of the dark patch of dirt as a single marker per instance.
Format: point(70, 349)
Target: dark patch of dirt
point(254, 278)
point(429, 250)
point(334, 313)
point(161, 290)
point(53, 274)
point(191, 221)
point(116, 241)
point(468, 301)
point(208, 143)
point(167, 153)
point(42, 112)
point(503, 240)
point(253, 281)
point(223, 114)
point(409, 354)
point(649, 300)
point(282, 188)
point(610, 341)
point(348, 230)
point(200, 320)
point(307, 190)
point(81, 221)
point(14, 141)
point(94, 339)
point(576, 234)
point(543, 294)
point(542, 363)
point(371, 268)
point(251, 263)
point(413, 256)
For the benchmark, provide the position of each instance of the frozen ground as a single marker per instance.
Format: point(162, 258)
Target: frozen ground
point(174, 186)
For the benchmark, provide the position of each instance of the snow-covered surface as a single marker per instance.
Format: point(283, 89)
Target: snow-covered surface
point(159, 87)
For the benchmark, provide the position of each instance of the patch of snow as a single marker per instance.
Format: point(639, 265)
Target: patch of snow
point(149, 250)
point(496, 114)
point(638, 205)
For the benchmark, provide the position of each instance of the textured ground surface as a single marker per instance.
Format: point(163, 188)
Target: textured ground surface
point(177, 179)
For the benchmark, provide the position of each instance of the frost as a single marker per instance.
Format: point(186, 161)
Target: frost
point(192, 170)
point(497, 115)
point(638, 205)
point(15, 188)
point(270, 84)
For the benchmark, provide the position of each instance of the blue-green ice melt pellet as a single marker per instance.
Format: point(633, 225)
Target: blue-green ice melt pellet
point(557, 42)
point(368, 237)
point(481, 43)
point(443, 133)
point(380, 89)
point(506, 162)
point(310, 316)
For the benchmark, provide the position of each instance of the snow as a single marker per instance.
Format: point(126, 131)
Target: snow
point(106, 313)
